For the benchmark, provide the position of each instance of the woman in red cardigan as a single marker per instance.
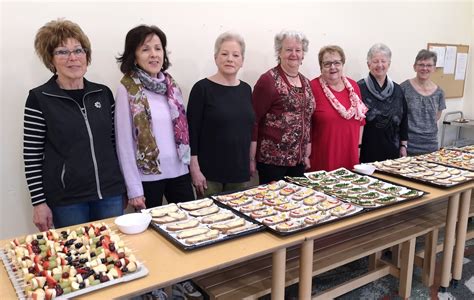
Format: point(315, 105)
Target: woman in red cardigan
point(283, 103)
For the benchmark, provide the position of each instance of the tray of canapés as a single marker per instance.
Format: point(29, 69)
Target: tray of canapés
point(69, 263)
point(450, 157)
point(359, 189)
point(199, 223)
point(286, 208)
point(417, 169)
point(468, 149)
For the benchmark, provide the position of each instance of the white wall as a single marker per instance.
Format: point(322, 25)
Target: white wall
point(191, 28)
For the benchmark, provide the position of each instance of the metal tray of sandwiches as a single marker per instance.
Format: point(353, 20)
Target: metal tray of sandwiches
point(450, 157)
point(199, 223)
point(70, 263)
point(285, 208)
point(468, 149)
point(417, 169)
point(366, 191)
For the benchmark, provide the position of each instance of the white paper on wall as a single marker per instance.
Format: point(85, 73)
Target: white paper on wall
point(450, 59)
point(440, 53)
point(461, 64)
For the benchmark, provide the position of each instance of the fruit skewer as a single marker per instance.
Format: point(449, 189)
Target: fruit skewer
point(53, 263)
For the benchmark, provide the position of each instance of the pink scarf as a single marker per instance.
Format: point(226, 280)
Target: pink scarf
point(357, 108)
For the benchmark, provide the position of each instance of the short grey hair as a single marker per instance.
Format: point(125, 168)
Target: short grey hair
point(229, 36)
point(292, 34)
point(379, 48)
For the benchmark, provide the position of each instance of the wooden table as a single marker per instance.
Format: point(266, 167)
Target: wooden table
point(168, 264)
point(456, 225)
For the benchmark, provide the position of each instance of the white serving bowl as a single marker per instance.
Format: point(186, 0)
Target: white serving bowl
point(364, 169)
point(133, 223)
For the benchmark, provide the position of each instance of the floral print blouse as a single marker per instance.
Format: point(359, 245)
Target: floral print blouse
point(282, 118)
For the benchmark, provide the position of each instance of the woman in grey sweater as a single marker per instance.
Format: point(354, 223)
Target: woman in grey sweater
point(425, 102)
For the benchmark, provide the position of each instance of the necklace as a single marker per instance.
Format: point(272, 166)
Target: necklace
point(357, 108)
point(291, 76)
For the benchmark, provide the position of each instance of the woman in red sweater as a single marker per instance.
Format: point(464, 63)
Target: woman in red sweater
point(338, 116)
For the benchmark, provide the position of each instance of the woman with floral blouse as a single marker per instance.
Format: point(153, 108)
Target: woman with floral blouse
point(283, 103)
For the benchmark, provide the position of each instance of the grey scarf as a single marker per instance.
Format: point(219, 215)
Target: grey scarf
point(383, 94)
point(149, 83)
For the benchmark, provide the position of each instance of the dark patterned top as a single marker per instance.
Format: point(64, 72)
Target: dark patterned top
point(282, 118)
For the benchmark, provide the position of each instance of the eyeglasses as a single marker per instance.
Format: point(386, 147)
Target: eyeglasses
point(64, 54)
point(424, 66)
point(328, 64)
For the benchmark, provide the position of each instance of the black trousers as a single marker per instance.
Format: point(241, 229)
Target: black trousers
point(268, 173)
point(178, 189)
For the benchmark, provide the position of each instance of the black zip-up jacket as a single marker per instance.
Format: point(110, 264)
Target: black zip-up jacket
point(69, 152)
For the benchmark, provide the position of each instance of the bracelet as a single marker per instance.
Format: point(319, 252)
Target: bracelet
point(252, 159)
point(402, 145)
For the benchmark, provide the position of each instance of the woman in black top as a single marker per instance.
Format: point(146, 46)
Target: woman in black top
point(71, 167)
point(220, 120)
point(386, 130)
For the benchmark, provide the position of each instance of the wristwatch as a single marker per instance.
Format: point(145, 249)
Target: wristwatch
point(403, 145)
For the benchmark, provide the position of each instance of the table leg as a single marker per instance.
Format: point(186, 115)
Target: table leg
point(429, 259)
point(406, 268)
point(306, 269)
point(169, 291)
point(278, 274)
point(461, 234)
point(453, 205)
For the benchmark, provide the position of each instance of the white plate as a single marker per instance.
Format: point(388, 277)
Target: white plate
point(365, 169)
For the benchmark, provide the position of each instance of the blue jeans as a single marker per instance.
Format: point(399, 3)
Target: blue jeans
point(87, 212)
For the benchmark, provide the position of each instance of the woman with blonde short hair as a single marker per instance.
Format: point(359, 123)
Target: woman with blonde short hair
point(220, 119)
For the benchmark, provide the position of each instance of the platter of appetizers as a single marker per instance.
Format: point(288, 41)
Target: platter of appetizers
point(62, 264)
point(418, 169)
point(286, 208)
point(199, 223)
point(468, 149)
point(450, 157)
point(362, 190)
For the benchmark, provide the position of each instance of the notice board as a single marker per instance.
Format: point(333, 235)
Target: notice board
point(452, 83)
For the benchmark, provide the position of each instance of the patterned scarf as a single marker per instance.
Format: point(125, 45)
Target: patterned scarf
point(147, 149)
point(357, 108)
